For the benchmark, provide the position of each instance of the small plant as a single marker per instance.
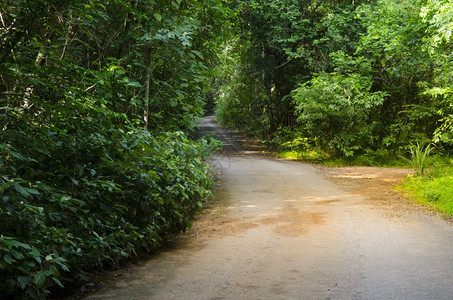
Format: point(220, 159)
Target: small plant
point(297, 144)
point(419, 156)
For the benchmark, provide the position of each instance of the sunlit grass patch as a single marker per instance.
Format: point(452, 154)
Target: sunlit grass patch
point(435, 193)
point(435, 190)
point(376, 159)
point(308, 155)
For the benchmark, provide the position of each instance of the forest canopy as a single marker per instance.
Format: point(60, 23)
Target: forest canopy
point(346, 77)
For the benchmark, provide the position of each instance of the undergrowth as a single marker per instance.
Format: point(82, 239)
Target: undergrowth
point(381, 158)
point(435, 189)
point(74, 202)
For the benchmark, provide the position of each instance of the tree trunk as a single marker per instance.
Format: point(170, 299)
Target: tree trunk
point(147, 86)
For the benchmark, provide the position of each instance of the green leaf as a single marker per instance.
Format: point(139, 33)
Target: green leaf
point(11, 242)
point(75, 181)
point(18, 156)
point(134, 83)
point(8, 259)
point(58, 282)
point(158, 17)
point(23, 191)
point(23, 281)
point(32, 191)
point(16, 254)
point(40, 278)
point(198, 53)
point(25, 246)
point(179, 93)
point(62, 263)
point(36, 254)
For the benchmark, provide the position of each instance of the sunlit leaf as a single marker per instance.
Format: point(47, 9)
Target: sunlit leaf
point(158, 17)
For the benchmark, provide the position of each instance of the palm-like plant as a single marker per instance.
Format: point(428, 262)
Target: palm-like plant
point(419, 156)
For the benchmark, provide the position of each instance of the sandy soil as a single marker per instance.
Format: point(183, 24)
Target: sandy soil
point(279, 229)
point(375, 185)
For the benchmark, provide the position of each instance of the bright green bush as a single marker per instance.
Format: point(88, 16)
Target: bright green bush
point(334, 110)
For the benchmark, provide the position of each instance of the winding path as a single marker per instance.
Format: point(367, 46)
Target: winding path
point(281, 229)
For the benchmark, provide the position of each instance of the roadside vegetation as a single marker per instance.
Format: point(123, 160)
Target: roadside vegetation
point(96, 102)
point(432, 185)
point(346, 83)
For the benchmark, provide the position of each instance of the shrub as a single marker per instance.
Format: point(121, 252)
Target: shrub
point(71, 202)
point(334, 109)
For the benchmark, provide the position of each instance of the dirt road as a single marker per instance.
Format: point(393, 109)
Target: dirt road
point(281, 229)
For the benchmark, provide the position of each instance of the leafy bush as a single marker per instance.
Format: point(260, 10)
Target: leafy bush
point(334, 109)
point(77, 199)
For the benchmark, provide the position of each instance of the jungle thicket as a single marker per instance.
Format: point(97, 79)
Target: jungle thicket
point(346, 78)
point(96, 99)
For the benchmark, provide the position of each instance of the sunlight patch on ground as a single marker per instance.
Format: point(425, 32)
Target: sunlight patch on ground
point(367, 176)
point(242, 206)
point(252, 152)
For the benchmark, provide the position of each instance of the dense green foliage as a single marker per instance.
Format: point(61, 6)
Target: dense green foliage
point(350, 78)
point(95, 97)
point(335, 110)
point(435, 189)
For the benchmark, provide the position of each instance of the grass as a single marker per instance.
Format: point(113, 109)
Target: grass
point(382, 158)
point(435, 189)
